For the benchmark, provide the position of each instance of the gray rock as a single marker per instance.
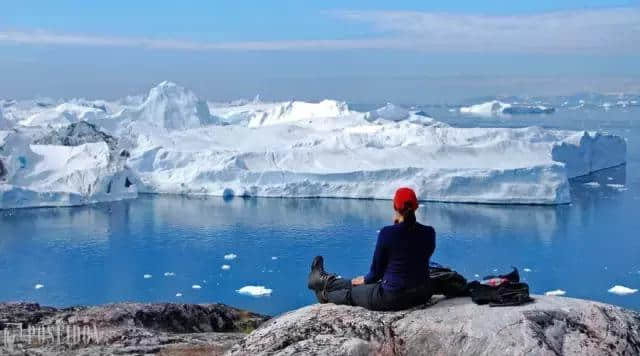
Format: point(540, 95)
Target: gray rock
point(126, 328)
point(77, 134)
point(549, 326)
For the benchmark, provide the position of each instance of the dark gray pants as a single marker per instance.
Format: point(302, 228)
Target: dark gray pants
point(374, 297)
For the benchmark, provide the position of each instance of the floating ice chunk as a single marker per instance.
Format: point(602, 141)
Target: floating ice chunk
point(255, 291)
point(621, 290)
point(196, 286)
point(147, 276)
point(527, 269)
point(169, 274)
point(494, 107)
point(230, 256)
point(619, 187)
point(274, 258)
point(609, 178)
point(388, 112)
point(178, 294)
point(476, 275)
point(557, 292)
point(225, 267)
point(592, 184)
point(38, 286)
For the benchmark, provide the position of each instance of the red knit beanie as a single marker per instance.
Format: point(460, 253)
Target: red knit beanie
point(403, 196)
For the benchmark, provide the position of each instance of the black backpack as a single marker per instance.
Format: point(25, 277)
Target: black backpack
point(509, 293)
point(447, 282)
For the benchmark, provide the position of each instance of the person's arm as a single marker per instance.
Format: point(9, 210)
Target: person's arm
point(379, 262)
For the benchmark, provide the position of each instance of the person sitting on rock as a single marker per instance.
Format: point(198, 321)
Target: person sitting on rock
point(399, 275)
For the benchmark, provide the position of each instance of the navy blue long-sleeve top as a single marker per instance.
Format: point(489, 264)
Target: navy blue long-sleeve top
point(401, 257)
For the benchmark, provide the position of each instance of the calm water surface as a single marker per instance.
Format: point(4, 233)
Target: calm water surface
point(100, 254)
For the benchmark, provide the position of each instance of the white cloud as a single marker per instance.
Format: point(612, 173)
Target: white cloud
point(595, 31)
point(565, 31)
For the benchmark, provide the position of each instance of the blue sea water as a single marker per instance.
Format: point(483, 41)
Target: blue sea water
point(100, 253)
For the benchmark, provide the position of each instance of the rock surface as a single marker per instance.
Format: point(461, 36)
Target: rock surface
point(549, 326)
point(167, 329)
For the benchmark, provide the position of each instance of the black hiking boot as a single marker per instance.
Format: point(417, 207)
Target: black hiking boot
point(318, 279)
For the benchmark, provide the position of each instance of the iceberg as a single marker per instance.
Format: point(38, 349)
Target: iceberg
point(4, 123)
point(63, 115)
point(171, 141)
point(496, 107)
point(621, 290)
point(490, 108)
point(255, 291)
point(56, 175)
point(293, 111)
point(230, 256)
point(388, 112)
point(557, 292)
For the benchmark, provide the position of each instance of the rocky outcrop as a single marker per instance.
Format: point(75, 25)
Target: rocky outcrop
point(549, 326)
point(78, 134)
point(169, 329)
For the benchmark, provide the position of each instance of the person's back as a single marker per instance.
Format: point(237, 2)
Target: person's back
point(406, 259)
point(399, 274)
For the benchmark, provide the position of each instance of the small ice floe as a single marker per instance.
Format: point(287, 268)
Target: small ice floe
point(178, 295)
point(196, 286)
point(38, 286)
point(555, 293)
point(609, 178)
point(476, 275)
point(621, 290)
point(230, 256)
point(592, 184)
point(274, 258)
point(618, 187)
point(527, 269)
point(225, 267)
point(169, 274)
point(147, 276)
point(255, 291)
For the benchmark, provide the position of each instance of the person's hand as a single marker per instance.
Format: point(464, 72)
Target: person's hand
point(358, 281)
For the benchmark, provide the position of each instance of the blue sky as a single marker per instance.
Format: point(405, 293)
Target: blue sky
point(361, 51)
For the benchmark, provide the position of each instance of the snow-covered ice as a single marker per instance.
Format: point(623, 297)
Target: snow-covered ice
point(619, 187)
point(255, 291)
point(38, 286)
point(557, 292)
point(592, 184)
point(171, 141)
point(622, 290)
point(230, 256)
point(527, 269)
point(496, 107)
point(274, 258)
point(169, 274)
point(196, 286)
point(225, 267)
point(147, 276)
point(178, 294)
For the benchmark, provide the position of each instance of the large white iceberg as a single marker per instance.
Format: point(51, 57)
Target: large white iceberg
point(34, 175)
point(496, 107)
point(171, 141)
